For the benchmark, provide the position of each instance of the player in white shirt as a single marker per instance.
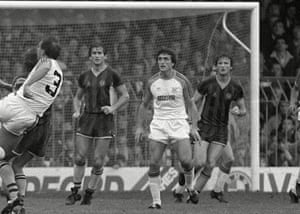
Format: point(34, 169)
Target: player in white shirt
point(20, 111)
point(170, 92)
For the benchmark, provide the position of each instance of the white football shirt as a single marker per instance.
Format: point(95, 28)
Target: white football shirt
point(45, 90)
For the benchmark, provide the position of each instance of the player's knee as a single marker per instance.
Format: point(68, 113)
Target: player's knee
point(211, 163)
point(2, 153)
point(98, 164)
point(186, 166)
point(97, 169)
point(207, 170)
point(198, 164)
point(154, 170)
point(16, 166)
point(226, 166)
point(79, 161)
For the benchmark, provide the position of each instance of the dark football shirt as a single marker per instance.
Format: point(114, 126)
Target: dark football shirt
point(216, 108)
point(96, 88)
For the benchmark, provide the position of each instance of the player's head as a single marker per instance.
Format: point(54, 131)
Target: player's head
point(280, 43)
point(49, 47)
point(30, 59)
point(166, 59)
point(97, 53)
point(18, 82)
point(223, 64)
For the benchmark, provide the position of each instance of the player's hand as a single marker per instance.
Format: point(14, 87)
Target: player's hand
point(76, 114)
point(195, 134)
point(27, 92)
point(107, 109)
point(139, 134)
point(293, 109)
point(235, 111)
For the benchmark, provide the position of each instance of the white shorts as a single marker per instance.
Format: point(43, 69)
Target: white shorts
point(15, 116)
point(169, 130)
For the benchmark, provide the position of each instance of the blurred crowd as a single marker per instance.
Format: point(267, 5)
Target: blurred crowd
point(132, 39)
point(279, 67)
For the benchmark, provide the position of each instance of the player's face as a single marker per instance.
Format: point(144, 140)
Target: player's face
point(224, 66)
point(97, 56)
point(164, 62)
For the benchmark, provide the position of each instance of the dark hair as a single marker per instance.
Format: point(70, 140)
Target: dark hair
point(29, 60)
point(97, 45)
point(51, 47)
point(224, 56)
point(167, 51)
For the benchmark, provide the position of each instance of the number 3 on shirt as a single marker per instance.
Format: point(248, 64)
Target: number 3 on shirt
point(56, 83)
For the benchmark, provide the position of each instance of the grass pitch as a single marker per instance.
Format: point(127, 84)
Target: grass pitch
point(137, 203)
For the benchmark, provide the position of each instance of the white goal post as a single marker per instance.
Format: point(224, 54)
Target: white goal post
point(213, 6)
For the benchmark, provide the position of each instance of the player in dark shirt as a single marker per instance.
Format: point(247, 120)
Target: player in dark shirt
point(218, 94)
point(96, 124)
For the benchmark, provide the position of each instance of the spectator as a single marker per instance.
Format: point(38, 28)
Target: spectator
point(294, 45)
point(281, 54)
point(137, 49)
point(196, 66)
point(290, 17)
point(268, 40)
point(155, 36)
point(149, 59)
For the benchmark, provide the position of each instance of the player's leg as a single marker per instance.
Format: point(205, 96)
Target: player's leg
point(18, 164)
point(227, 160)
point(101, 149)
point(213, 154)
point(7, 142)
point(294, 193)
point(183, 149)
point(180, 188)
point(82, 144)
point(156, 150)
point(199, 159)
point(103, 126)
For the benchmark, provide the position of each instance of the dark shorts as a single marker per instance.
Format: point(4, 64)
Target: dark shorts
point(36, 140)
point(96, 125)
point(211, 133)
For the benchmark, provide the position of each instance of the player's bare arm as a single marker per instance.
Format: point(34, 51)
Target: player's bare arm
point(5, 85)
point(77, 102)
point(193, 114)
point(142, 112)
point(123, 99)
point(198, 99)
point(240, 109)
point(43, 67)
